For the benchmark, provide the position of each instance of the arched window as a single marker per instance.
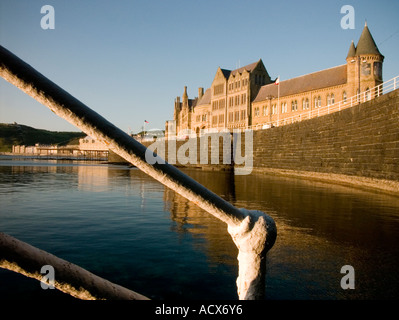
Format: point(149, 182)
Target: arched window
point(305, 104)
point(294, 105)
point(283, 107)
point(332, 98)
point(328, 100)
point(317, 102)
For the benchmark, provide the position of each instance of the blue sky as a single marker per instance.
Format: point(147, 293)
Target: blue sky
point(128, 60)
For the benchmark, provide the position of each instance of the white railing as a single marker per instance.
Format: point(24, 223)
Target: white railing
point(361, 97)
point(253, 232)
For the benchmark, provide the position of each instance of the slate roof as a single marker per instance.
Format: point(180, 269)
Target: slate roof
point(352, 51)
point(206, 98)
point(366, 44)
point(226, 73)
point(248, 67)
point(312, 81)
point(192, 102)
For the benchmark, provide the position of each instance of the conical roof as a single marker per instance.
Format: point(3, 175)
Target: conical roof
point(366, 44)
point(352, 51)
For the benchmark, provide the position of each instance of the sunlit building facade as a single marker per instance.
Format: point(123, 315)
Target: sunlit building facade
point(247, 97)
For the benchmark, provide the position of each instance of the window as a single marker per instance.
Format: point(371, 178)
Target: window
point(332, 98)
point(344, 97)
point(283, 107)
point(317, 102)
point(294, 105)
point(204, 117)
point(256, 112)
point(243, 114)
point(231, 116)
point(305, 104)
point(221, 118)
point(237, 116)
point(243, 98)
point(264, 111)
point(214, 119)
point(328, 100)
point(237, 100)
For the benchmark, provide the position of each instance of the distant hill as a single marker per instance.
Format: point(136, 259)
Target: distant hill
point(18, 134)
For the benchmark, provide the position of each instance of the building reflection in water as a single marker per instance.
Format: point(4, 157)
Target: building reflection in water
point(189, 218)
point(321, 227)
point(93, 178)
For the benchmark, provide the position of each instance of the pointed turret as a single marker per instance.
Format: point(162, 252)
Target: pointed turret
point(364, 64)
point(352, 51)
point(185, 98)
point(366, 44)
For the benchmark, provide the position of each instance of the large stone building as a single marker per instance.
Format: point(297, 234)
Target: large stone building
point(247, 97)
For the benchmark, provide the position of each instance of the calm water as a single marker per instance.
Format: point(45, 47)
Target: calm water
point(126, 227)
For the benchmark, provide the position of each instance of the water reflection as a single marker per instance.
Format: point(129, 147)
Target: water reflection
point(322, 227)
point(127, 227)
point(210, 232)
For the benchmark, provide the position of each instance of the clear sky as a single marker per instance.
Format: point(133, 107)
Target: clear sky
point(128, 60)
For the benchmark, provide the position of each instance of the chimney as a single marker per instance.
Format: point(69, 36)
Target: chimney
point(200, 93)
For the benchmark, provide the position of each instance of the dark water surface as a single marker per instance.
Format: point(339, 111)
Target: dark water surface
point(126, 227)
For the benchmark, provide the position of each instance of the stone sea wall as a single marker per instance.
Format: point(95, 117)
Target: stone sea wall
point(360, 143)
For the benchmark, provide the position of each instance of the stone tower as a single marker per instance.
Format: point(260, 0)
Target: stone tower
point(364, 64)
